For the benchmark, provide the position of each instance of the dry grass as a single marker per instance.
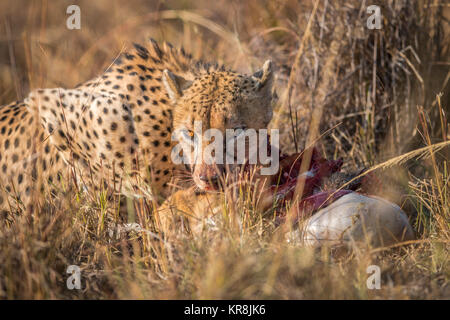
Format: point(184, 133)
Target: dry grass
point(384, 94)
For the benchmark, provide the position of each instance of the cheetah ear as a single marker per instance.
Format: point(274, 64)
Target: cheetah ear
point(174, 85)
point(265, 75)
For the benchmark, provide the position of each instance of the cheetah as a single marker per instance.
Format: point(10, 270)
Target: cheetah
point(117, 130)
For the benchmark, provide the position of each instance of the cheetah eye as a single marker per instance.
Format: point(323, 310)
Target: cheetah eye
point(188, 134)
point(238, 131)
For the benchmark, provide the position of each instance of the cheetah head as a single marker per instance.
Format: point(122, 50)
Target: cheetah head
point(217, 100)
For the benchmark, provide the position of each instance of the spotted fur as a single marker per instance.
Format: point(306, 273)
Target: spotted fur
point(119, 125)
